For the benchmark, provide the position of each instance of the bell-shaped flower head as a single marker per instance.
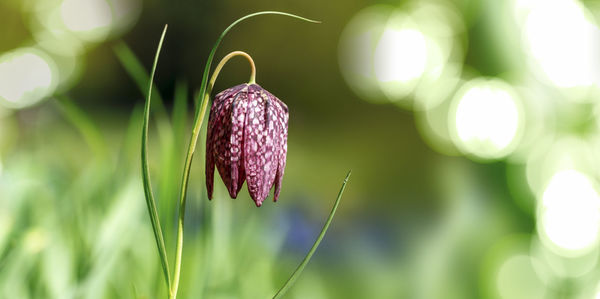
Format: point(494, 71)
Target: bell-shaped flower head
point(247, 141)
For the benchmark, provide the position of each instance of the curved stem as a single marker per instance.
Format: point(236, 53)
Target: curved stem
point(150, 202)
point(222, 63)
point(198, 120)
point(288, 284)
point(211, 84)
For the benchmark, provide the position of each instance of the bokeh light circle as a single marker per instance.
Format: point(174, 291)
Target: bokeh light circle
point(557, 153)
point(27, 75)
point(569, 213)
point(125, 13)
point(90, 20)
point(565, 51)
point(510, 271)
point(410, 55)
point(50, 32)
point(556, 266)
point(516, 276)
point(66, 27)
point(357, 47)
point(400, 55)
point(486, 118)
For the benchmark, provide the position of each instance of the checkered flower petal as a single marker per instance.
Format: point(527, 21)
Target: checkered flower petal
point(247, 141)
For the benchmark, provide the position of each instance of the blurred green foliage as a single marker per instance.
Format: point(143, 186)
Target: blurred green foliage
point(417, 221)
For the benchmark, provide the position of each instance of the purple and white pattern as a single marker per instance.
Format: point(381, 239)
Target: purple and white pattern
point(247, 141)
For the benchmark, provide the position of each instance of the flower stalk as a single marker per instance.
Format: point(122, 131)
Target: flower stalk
point(196, 131)
point(198, 120)
point(200, 112)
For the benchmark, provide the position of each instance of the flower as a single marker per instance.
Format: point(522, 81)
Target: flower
point(247, 141)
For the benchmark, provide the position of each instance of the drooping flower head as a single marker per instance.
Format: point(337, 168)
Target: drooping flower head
point(247, 141)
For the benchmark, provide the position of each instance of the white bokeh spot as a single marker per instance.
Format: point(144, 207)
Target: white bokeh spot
point(563, 42)
point(26, 77)
point(486, 119)
point(400, 55)
point(570, 212)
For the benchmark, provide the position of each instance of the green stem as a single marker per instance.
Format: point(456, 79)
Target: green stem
point(150, 202)
point(198, 119)
point(211, 84)
point(290, 282)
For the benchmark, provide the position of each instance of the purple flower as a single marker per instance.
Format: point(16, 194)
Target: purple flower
point(247, 141)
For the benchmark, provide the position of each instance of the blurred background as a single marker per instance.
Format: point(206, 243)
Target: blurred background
point(471, 127)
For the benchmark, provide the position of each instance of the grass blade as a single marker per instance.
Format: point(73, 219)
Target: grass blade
point(84, 124)
point(290, 282)
point(150, 202)
point(138, 73)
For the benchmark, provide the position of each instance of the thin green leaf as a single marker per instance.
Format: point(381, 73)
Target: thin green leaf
point(84, 124)
point(290, 282)
point(150, 202)
point(138, 73)
point(140, 76)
